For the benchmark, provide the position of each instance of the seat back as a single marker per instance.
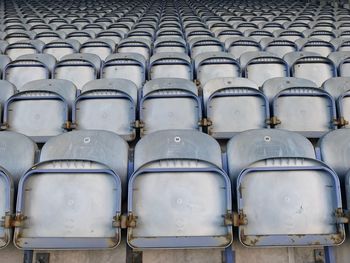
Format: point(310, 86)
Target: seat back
point(103, 101)
point(168, 94)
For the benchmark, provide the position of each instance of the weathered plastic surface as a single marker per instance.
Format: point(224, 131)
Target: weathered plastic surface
point(260, 144)
point(75, 189)
point(18, 153)
point(214, 65)
point(285, 215)
point(261, 66)
point(78, 68)
point(309, 111)
point(273, 86)
point(196, 192)
point(99, 146)
point(17, 72)
point(334, 150)
point(240, 96)
point(170, 65)
point(107, 104)
point(129, 66)
point(168, 94)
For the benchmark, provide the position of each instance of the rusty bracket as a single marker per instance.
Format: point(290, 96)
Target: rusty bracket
point(342, 217)
point(205, 122)
point(138, 124)
point(4, 126)
point(273, 121)
point(124, 221)
point(10, 221)
point(235, 219)
point(68, 125)
point(341, 122)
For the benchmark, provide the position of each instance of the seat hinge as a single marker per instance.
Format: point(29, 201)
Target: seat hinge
point(68, 125)
point(197, 82)
point(273, 121)
point(124, 221)
point(341, 122)
point(205, 122)
point(138, 124)
point(4, 126)
point(235, 219)
point(342, 217)
point(10, 221)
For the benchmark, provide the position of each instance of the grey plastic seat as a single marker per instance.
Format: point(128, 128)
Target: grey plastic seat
point(250, 146)
point(334, 150)
point(273, 86)
point(170, 44)
point(271, 26)
point(169, 33)
point(224, 34)
point(40, 110)
point(233, 105)
point(239, 45)
point(81, 36)
point(198, 33)
point(258, 34)
point(283, 162)
point(112, 34)
point(27, 68)
point(130, 66)
point(324, 35)
point(338, 56)
point(344, 68)
point(49, 36)
point(78, 68)
point(61, 48)
point(201, 45)
point(167, 94)
point(3, 46)
point(144, 33)
point(19, 35)
point(297, 26)
point(4, 60)
point(17, 156)
point(311, 66)
point(100, 47)
point(139, 46)
point(107, 104)
point(321, 47)
point(278, 46)
point(7, 89)
point(90, 167)
point(261, 66)
point(18, 49)
point(337, 86)
point(309, 111)
point(211, 65)
point(288, 34)
point(170, 65)
point(186, 167)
